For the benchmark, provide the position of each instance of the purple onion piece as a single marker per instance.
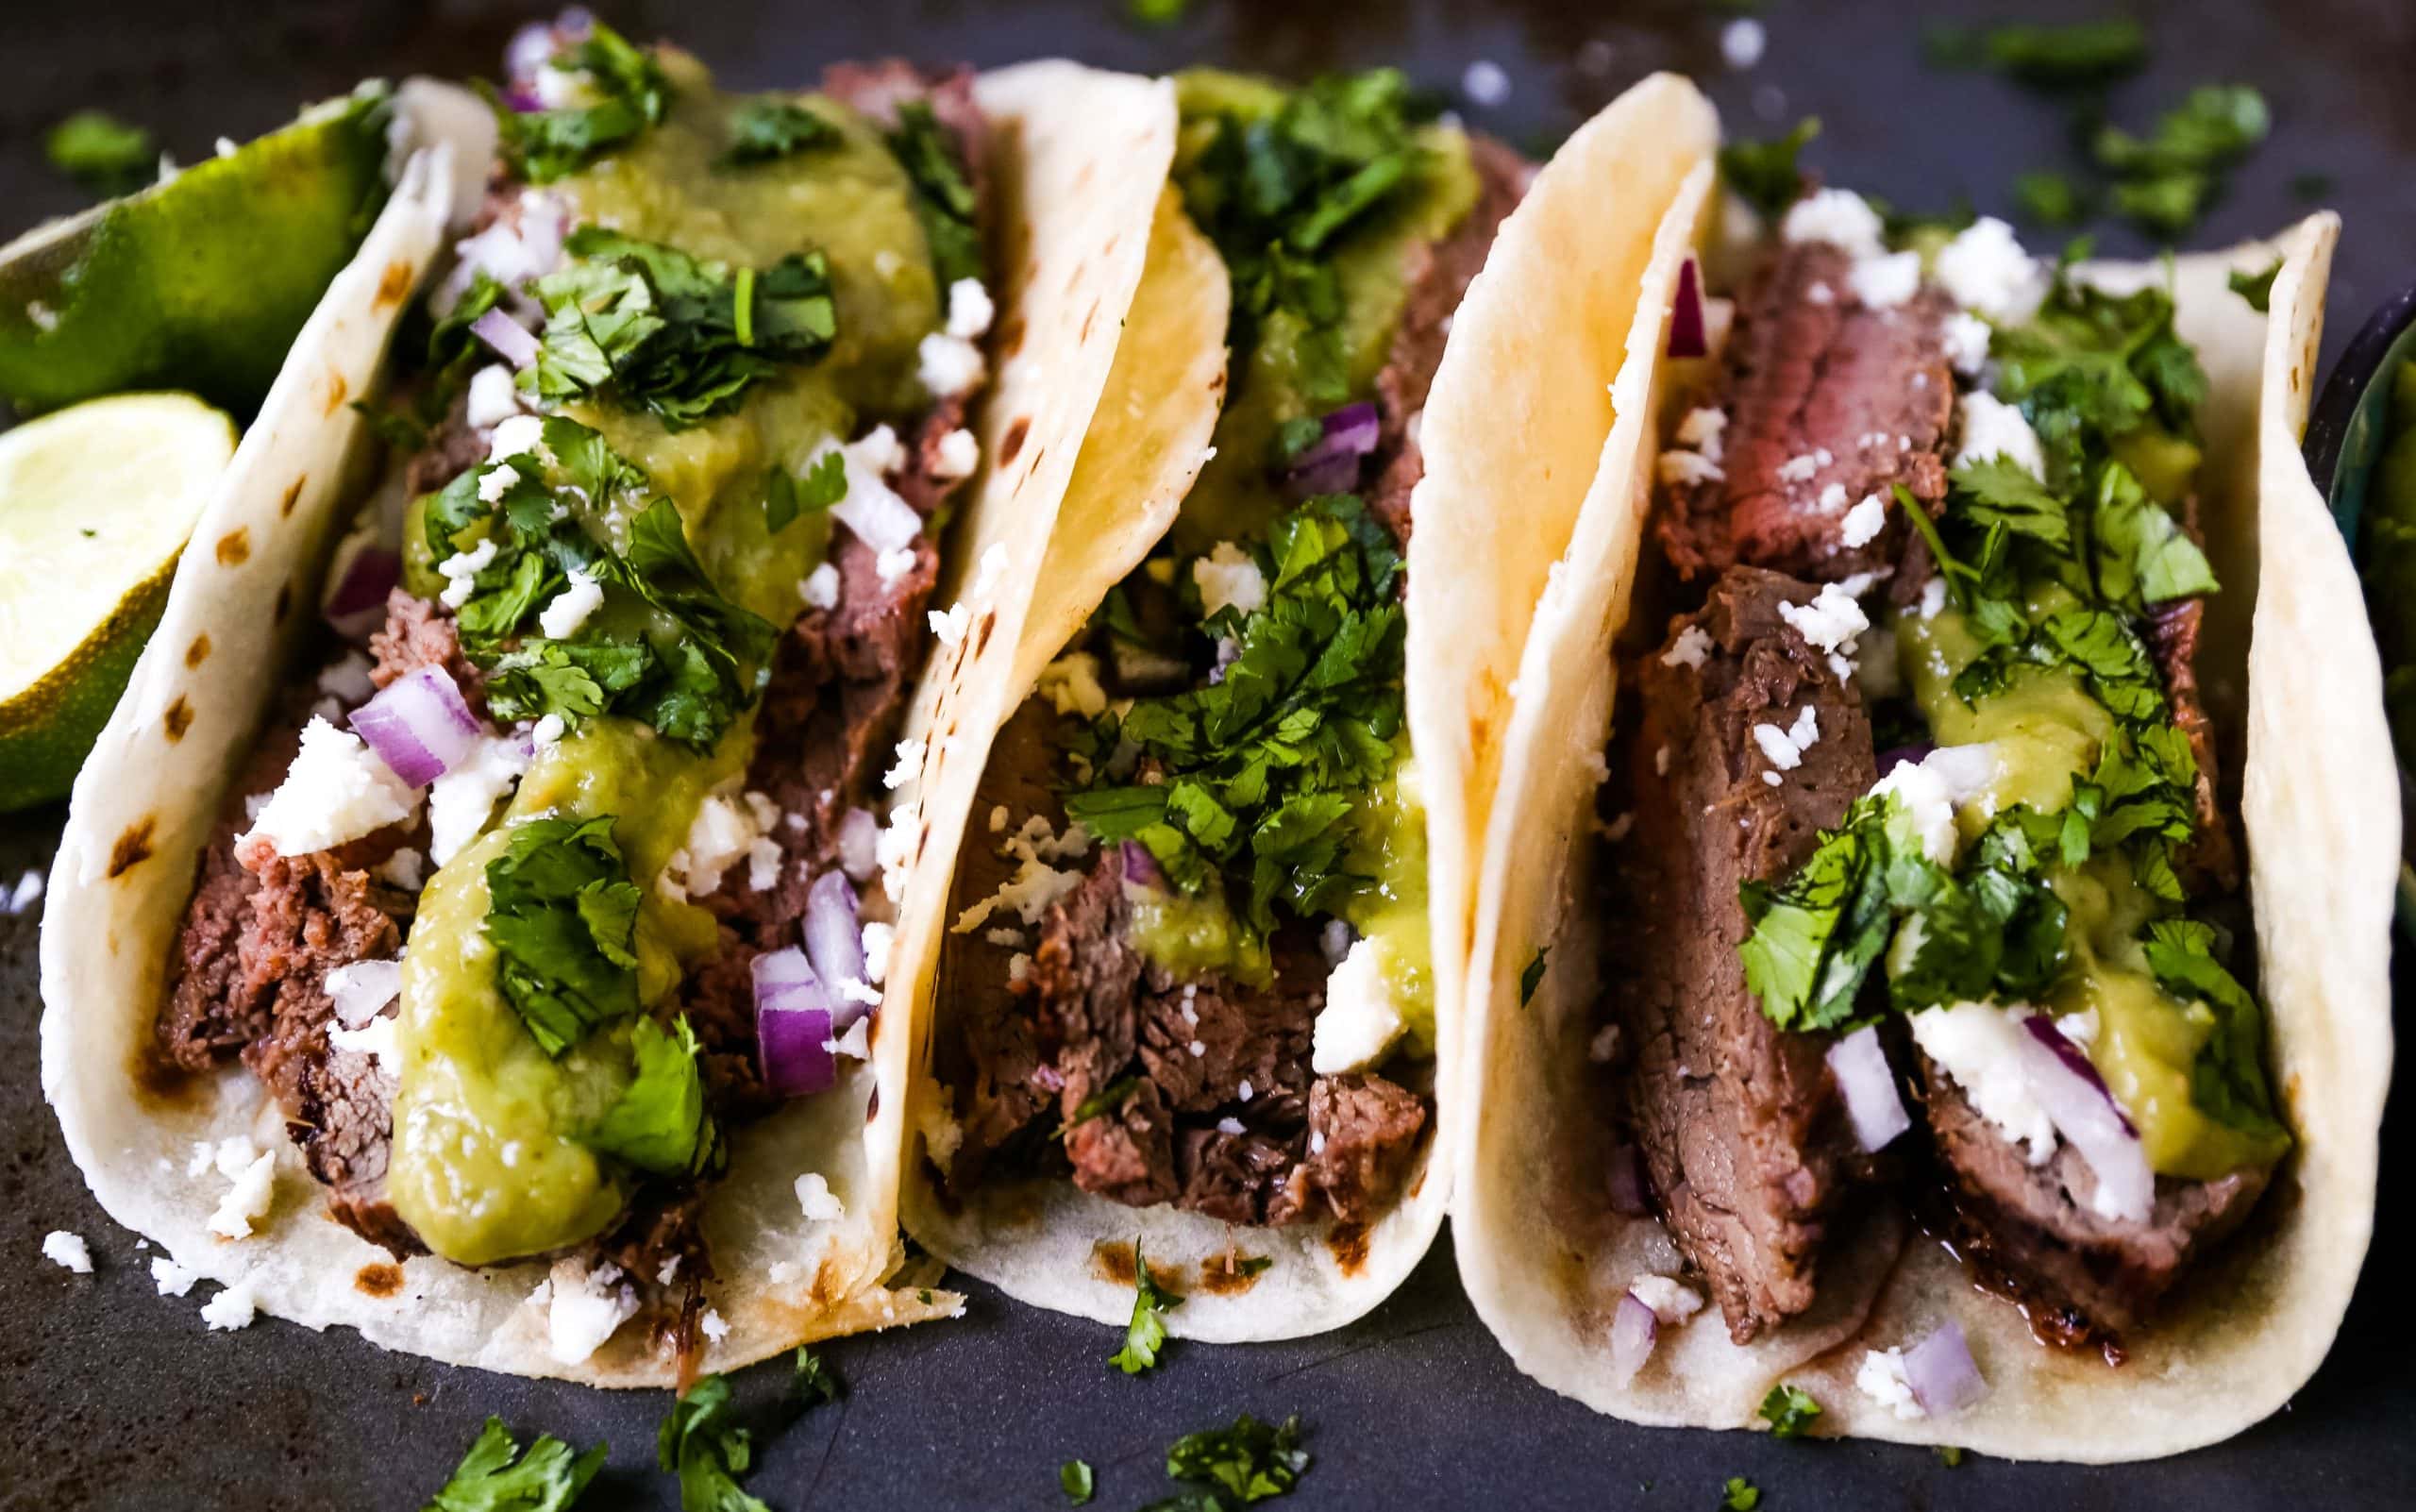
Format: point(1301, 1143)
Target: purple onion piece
point(1895, 756)
point(2068, 1087)
point(1141, 869)
point(1331, 463)
point(1944, 1378)
point(793, 1013)
point(2043, 1029)
point(1686, 337)
point(511, 340)
point(368, 577)
point(419, 725)
point(834, 942)
point(859, 845)
point(1873, 1105)
point(1624, 1172)
point(1635, 1330)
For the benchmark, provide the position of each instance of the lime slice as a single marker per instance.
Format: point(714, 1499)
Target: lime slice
point(199, 282)
point(95, 503)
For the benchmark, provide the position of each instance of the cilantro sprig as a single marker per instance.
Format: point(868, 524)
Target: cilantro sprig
point(101, 152)
point(1789, 1411)
point(1764, 173)
point(497, 1476)
point(631, 95)
point(707, 1452)
point(766, 129)
point(659, 1124)
point(562, 917)
point(944, 202)
point(1147, 1332)
point(1265, 771)
point(2163, 180)
point(1250, 1461)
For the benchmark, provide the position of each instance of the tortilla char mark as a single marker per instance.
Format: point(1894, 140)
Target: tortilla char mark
point(1741, 1124)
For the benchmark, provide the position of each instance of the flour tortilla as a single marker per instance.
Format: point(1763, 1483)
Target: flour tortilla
point(2288, 651)
point(1473, 584)
point(144, 804)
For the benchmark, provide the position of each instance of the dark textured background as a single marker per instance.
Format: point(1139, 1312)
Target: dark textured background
point(115, 1397)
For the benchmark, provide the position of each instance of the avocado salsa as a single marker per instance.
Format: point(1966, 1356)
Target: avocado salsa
point(667, 538)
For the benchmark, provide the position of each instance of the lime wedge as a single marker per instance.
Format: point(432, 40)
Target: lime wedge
point(95, 503)
point(199, 282)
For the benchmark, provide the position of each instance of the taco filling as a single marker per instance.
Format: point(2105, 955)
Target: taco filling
point(527, 911)
point(1188, 959)
point(1925, 882)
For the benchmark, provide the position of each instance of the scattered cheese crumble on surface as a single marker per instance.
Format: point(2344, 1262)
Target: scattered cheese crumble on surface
point(246, 1202)
point(231, 1309)
point(970, 308)
point(583, 1308)
point(949, 365)
point(1967, 343)
point(68, 1251)
point(1885, 282)
point(820, 588)
point(561, 619)
point(171, 1277)
point(893, 565)
point(1071, 685)
point(1986, 269)
point(957, 455)
point(1831, 621)
point(1864, 522)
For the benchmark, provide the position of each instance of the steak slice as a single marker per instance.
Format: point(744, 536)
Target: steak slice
point(1828, 400)
point(2207, 864)
point(2082, 1274)
point(1741, 1125)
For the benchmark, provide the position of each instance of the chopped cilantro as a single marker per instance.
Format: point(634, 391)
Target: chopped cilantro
point(787, 496)
point(564, 922)
point(2078, 53)
point(765, 129)
point(813, 1384)
point(1266, 770)
point(2227, 1078)
point(1146, 1334)
point(1250, 1461)
point(1816, 934)
point(631, 95)
point(659, 1124)
point(2091, 366)
point(1789, 1411)
point(2164, 181)
point(1156, 12)
point(495, 1475)
point(707, 1451)
point(1531, 978)
point(1764, 172)
point(2047, 198)
point(101, 152)
point(1741, 1495)
point(1105, 1100)
point(667, 333)
point(2256, 288)
point(944, 199)
point(1075, 1479)
point(1950, 1455)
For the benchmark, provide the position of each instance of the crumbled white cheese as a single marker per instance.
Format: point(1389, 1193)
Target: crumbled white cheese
point(404, 869)
point(461, 801)
point(561, 619)
point(1673, 1300)
point(1485, 83)
point(1967, 343)
point(1360, 1019)
point(1831, 621)
point(1986, 270)
point(1692, 644)
point(522, 435)
point(969, 309)
point(337, 789)
point(816, 1200)
point(1833, 498)
point(1931, 789)
point(723, 831)
point(494, 397)
point(171, 1277)
point(1227, 575)
point(1071, 685)
point(1798, 469)
point(231, 1309)
point(1742, 43)
point(583, 1308)
point(1778, 746)
point(896, 848)
point(1677, 468)
point(1994, 428)
point(878, 939)
point(375, 1039)
point(894, 564)
point(949, 365)
point(247, 1200)
point(1885, 282)
point(67, 1250)
point(714, 1328)
point(1839, 217)
point(910, 752)
point(956, 455)
point(459, 569)
point(1703, 430)
point(1979, 1046)
point(948, 625)
point(1864, 522)
point(1933, 597)
point(820, 589)
point(1882, 1378)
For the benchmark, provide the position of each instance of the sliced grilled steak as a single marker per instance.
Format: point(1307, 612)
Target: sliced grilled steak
point(1438, 276)
point(2207, 864)
point(1828, 400)
point(420, 633)
point(1741, 1125)
point(2082, 1274)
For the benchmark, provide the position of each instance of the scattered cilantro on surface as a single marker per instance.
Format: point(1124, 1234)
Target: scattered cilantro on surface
point(2045, 198)
point(707, 1451)
point(1250, 1461)
point(2076, 54)
point(562, 919)
point(1156, 12)
point(1950, 1455)
point(944, 199)
point(496, 1476)
point(813, 1384)
point(2163, 181)
point(1531, 978)
point(1789, 1411)
point(1764, 172)
point(1741, 1495)
point(766, 129)
point(1146, 1334)
point(631, 94)
point(2256, 288)
point(1075, 1479)
point(104, 154)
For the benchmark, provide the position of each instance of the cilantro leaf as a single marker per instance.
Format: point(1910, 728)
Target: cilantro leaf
point(1252, 1461)
point(1764, 173)
point(1075, 1479)
point(707, 1451)
point(2163, 180)
point(765, 128)
point(813, 1384)
point(574, 680)
point(631, 94)
point(2256, 288)
point(944, 199)
point(2140, 554)
point(2077, 53)
point(659, 1124)
point(787, 496)
point(1741, 1495)
point(2091, 366)
point(1146, 1334)
point(1816, 934)
point(1531, 978)
point(2049, 198)
point(1106, 1100)
point(1950, 1455)
point(1789, 1410)
point(562, 919)
point(2000, 490)
point(2227, 1078)
point(496, 1476)
point(102, 153)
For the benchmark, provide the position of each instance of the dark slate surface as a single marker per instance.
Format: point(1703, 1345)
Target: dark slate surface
point(118, 1398)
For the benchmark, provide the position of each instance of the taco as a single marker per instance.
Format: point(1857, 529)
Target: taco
point(1191, 1024)
point(496, 966)
point(1951, 998)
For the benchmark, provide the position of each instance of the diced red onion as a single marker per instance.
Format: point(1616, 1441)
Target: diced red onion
point(1895, 756)
point(835, 941)
point(858, 843)
point(792, 1024)
point(419, 725)
point(1141, 869)
point(1686, 314)
point(510, 339)
point(1942, 1374)
point(1633, 1331)
point(1624, 1172)
point(2085, 1112)
point(364, 573)
point(534, 46)
point(1229, 650)
point(1331, 463)
point(1859, 1063)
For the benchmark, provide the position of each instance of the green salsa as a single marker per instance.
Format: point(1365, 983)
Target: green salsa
point(487, 1163)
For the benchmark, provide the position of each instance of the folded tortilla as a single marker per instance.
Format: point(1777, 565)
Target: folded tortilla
point(2287, 652)
point(147, 801)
